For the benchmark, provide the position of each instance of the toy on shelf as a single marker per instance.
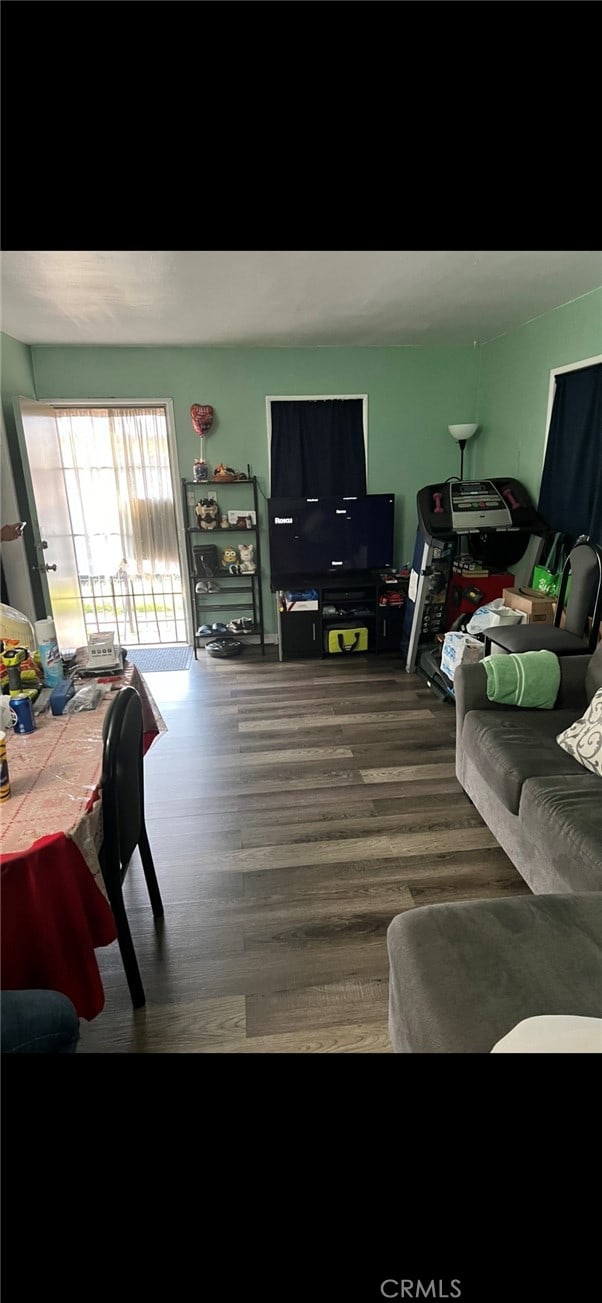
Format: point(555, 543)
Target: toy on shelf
point(229, 557)
point(246, 552)
point(227, 473)
point(207, 513)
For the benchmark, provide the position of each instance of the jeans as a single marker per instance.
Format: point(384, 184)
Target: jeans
point(38, 1022)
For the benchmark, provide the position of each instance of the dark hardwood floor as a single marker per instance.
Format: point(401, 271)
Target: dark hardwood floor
point(293, 809)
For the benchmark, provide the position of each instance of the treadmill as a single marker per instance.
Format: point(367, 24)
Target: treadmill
point(501, 528)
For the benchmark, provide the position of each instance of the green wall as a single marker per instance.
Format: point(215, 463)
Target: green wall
point(413, 394)
point(16, 377)
point(514, 383)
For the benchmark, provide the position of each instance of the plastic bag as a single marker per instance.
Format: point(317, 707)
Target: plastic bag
point(86, 699)
point(491, 614)
point(459, 648)
point(546, 577)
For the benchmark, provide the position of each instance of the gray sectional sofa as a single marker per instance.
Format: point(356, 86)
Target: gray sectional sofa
point(543, 807)
point(462, 975)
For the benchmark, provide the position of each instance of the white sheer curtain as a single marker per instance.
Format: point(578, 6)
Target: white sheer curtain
point(119, 487)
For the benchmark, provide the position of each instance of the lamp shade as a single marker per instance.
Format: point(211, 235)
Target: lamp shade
point(462, 431)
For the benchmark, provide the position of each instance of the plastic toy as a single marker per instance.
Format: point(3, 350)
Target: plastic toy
point(207, 512)
point(247, 558)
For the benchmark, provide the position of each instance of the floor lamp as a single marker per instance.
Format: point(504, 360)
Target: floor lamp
point(462, 433)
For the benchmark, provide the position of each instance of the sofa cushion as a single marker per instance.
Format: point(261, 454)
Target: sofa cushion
point(563, 815)
point(463, 974)
point(509, 746)
point(583, 739)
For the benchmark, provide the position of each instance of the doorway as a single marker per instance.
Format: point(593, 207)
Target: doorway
point(108, 531)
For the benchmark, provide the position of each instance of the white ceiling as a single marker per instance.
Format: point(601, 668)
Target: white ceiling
point(282, 298)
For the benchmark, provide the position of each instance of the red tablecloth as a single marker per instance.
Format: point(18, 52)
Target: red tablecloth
point(53, 917)
point(54, 912)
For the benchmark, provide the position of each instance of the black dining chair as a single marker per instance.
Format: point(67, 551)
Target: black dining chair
point(124, 828)
point(583, 567)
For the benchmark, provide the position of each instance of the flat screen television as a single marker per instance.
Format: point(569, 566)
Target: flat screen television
point(329, 536)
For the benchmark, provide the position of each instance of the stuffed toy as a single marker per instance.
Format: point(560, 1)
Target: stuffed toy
point(247, 558)
point(207, 512)
point(229, 557)
point(228, 473)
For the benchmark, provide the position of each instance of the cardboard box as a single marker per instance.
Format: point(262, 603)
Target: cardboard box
point(535, 605)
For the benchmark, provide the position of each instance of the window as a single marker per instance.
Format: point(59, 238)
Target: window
point(570, 498)
point(317, 446)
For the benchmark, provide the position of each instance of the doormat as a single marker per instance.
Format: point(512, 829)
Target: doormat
point(152, 660)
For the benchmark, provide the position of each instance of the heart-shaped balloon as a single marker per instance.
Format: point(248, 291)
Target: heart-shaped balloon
point(202, 418)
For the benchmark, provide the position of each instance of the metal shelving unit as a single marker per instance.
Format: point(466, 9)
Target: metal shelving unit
point(217, 607)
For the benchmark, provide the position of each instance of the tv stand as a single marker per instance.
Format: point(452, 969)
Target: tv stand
point(364, 599)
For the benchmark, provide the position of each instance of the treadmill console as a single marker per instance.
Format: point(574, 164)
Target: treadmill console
point(476, 507)
point(477, 504)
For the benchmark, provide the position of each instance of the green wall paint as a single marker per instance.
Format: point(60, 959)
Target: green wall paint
point(413, 394)
point(16, 377)
point(514, 382)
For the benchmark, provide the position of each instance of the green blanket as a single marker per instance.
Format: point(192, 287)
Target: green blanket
point(523, 679)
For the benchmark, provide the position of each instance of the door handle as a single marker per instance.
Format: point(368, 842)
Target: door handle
point(39, 547)
point(44, 567)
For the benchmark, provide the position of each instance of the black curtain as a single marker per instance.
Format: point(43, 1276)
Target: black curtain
point(570, 498)
point(318, 449)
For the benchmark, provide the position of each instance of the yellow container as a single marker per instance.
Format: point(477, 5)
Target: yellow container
point(4, 779)
point(346, 640)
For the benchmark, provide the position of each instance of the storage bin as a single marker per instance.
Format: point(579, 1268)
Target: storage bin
point(346, 639)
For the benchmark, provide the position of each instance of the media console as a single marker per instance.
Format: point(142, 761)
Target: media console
point(365, 600)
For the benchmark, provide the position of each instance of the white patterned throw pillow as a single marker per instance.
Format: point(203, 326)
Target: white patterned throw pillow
point(583, 739)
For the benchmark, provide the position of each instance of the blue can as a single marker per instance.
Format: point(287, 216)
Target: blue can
point(25, 720)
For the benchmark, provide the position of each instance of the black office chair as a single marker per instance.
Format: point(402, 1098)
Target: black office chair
point(583, 567)
point(122, 791)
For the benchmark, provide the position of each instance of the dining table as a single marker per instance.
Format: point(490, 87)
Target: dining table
point(54, 907)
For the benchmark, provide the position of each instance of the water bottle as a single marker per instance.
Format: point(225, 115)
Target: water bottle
point(49, 652)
